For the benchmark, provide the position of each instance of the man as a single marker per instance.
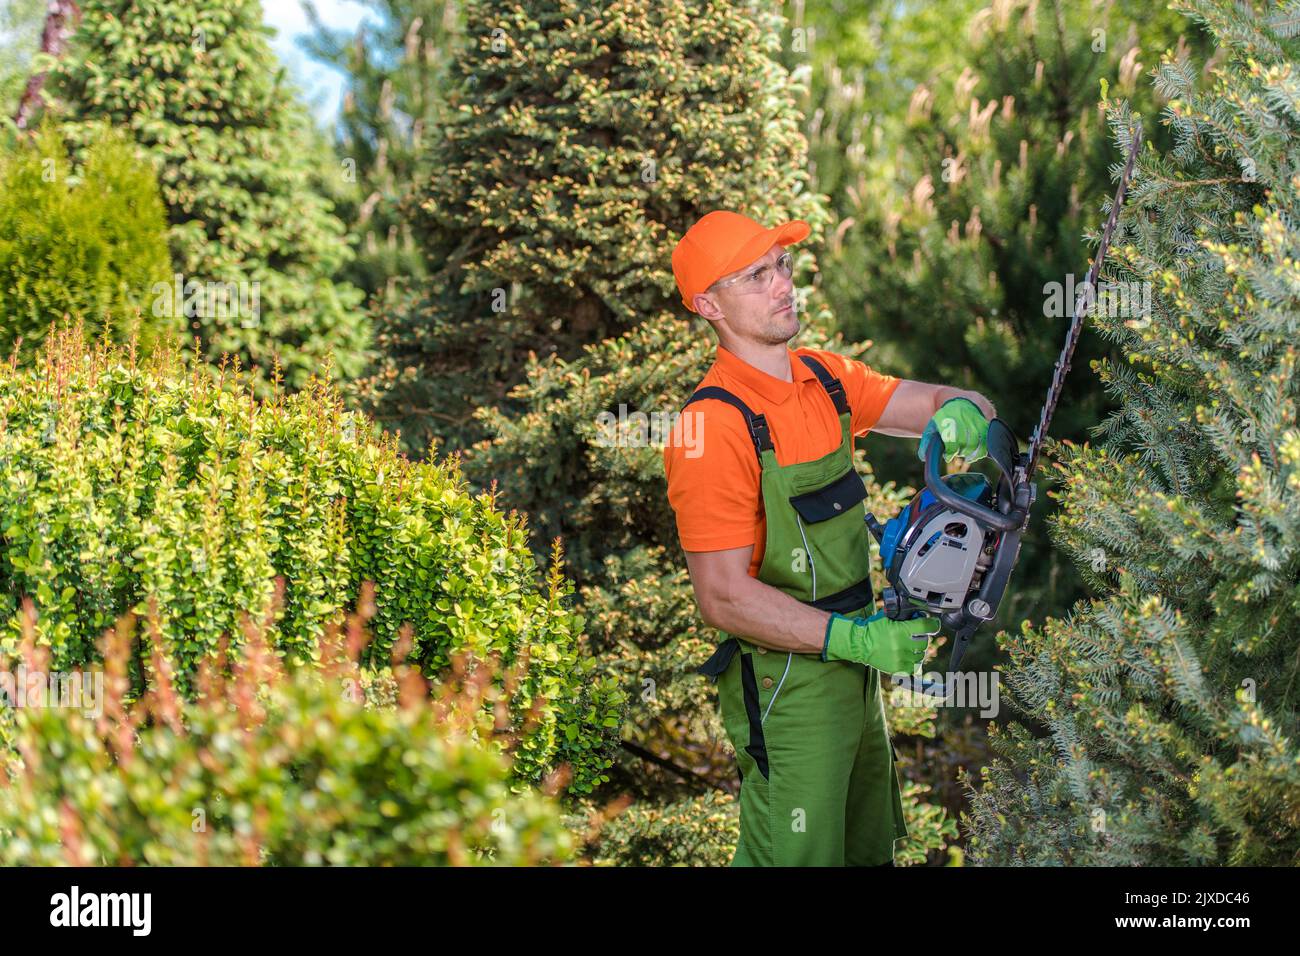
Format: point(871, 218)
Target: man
point(770, 515)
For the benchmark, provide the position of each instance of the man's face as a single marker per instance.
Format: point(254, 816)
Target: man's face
point(764, 315)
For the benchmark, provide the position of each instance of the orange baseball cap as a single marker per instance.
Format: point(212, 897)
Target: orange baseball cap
point(722, 242)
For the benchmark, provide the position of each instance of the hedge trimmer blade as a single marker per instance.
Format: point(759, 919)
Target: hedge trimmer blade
point(1085, 298)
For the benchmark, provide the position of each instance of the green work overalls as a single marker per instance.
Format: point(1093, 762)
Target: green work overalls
point(818, 784)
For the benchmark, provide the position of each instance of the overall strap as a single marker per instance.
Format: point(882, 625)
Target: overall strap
point(829, 382)
point(758, 431)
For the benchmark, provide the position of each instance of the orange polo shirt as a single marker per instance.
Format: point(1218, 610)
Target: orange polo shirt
point(712, 468)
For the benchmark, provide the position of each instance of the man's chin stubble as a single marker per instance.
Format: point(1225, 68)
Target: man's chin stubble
point(782, 332)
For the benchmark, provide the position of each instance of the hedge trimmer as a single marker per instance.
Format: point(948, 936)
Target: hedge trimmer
point(950, 552)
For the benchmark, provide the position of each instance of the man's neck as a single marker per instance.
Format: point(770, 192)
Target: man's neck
point(774, 359)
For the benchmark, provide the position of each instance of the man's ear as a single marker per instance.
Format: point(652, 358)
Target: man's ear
point(706, 307)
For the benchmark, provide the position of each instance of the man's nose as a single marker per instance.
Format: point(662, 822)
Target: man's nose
point(782, 286)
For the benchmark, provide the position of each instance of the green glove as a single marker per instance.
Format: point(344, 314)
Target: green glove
point(963, 428)
point(890, 646)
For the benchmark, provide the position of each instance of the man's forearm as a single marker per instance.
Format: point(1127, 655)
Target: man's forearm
point(768, 616)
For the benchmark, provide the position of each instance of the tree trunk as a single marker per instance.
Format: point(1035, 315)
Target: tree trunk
point(60, 19)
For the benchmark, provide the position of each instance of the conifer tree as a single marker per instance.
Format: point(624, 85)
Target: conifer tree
point(581, 145)
point(197, 85)
point(89, 245)
point(556, 190)
point(397, 65)
point(961, 213)
point(1171, 699)
point(20, 39)
point(28, 28)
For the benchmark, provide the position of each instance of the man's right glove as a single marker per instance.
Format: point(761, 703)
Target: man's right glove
point(890, 646)
point(963, 428)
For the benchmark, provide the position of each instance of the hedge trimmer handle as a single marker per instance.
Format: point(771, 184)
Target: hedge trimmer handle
point(946, 496)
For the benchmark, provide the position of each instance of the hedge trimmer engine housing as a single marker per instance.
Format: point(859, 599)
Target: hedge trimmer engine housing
point(934, 555)
point(950, 552)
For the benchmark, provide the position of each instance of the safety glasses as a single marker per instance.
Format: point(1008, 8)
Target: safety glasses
point(759, 279)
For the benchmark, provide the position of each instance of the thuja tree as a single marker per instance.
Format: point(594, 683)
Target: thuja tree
point(582, 147)
point(1171, 700)
point(128, 483)
point(961, 217)
point(254, 246)
point(87, 241)
point(397, 65)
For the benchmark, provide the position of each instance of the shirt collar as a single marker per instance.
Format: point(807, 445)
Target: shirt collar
point(772, 389)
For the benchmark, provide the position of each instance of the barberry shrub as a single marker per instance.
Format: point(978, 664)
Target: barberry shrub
point(126, 481)
point(268, 765)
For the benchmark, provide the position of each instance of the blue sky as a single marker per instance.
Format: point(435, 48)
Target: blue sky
point(319, 85)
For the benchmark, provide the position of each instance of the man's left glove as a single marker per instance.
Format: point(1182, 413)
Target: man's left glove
point(890, 646)
point(963, 428)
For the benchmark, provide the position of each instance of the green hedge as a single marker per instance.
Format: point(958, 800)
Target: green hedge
point(123, 480)
point(694, 831)
point(88, 242)
point(266, 768)
point(702, 830)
